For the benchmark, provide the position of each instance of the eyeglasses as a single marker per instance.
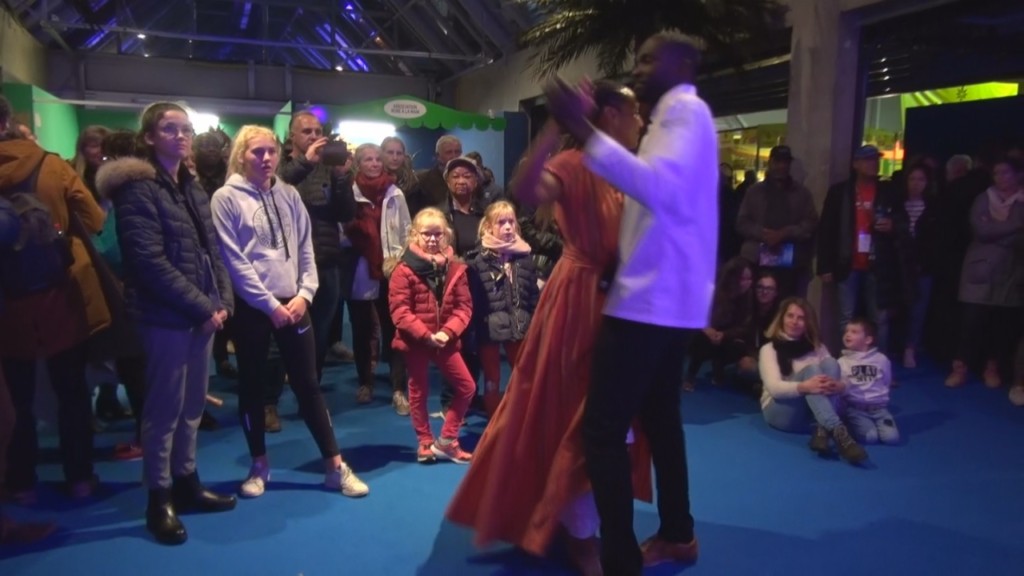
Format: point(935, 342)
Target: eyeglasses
point(436, 235)
point(173, 130)
point(761, 288)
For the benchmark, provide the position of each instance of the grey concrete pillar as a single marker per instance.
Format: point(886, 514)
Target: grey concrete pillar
point(825, 112)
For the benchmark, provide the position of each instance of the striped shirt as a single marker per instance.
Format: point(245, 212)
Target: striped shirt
point(914, 210)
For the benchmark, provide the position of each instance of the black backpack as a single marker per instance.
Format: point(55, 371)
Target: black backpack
point(39, 260)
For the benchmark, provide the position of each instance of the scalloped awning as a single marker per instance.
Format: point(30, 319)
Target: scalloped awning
point(415, 113)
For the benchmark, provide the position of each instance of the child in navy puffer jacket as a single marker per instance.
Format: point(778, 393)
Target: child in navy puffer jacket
point(503, 281)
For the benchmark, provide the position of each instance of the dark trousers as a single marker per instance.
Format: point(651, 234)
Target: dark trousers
point(636, 372)
point(989, 333)
point(361, 315)
point(324, 310)
point(6, 425)
point(253, 331)
point(220, 343)
point(721, 355)
point(74, 417)
point(131, 372)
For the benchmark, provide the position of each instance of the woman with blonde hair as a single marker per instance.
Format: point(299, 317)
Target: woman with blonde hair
point(431, 308)
point(503, 282)
point(264, 233)
point(378, 234)
point(802, 381)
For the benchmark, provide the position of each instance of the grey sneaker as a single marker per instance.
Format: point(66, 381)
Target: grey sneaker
point(345, 479)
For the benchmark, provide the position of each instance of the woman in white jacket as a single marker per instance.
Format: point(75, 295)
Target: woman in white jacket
point(264, 233)
point(378, 235)
point(801, 381)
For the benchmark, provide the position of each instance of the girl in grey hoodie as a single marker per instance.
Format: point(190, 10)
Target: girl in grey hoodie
point(265, 239)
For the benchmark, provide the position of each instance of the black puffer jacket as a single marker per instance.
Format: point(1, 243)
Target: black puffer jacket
point(174, 276)
point(502, 306)
point(328, 200)
point(546, 244)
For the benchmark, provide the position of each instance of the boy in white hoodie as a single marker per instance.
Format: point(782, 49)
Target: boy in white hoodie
point(867, 375)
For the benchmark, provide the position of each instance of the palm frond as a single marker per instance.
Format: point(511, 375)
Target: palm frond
point(612, 29)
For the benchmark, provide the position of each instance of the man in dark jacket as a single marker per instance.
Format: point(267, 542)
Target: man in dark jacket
point(862, 245)
point(326, 192)
point(433, 188)
point(777, 221)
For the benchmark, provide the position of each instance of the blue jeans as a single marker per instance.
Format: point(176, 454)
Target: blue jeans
point(861, 282)
point(798, 414)
point(918, 311)
point(871, 425)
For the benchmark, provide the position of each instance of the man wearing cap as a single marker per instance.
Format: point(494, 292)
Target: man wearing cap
point(860, 246)
point(777, 220)
point(433, 188)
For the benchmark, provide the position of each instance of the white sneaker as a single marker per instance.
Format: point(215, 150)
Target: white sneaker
point(347, 481)
point(256, 483)
point(1017, 395)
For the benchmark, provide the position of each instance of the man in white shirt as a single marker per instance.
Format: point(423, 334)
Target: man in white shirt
point(662, 292)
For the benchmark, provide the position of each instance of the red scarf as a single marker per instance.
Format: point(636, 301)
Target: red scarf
point(364, 231)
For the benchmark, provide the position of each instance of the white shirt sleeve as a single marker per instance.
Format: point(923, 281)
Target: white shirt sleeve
point(665, 160)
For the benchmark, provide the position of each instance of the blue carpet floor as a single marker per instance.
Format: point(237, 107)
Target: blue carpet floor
point(949, 500)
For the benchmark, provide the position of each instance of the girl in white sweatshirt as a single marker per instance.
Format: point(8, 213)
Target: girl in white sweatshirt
point(801, 381)
point(264, 233)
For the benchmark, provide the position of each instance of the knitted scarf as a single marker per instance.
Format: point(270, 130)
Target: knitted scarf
point(788, 350)
point(364, 231)
point(514, 247)
point(431, 268)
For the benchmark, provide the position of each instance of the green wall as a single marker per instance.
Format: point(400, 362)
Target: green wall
point(56, 123)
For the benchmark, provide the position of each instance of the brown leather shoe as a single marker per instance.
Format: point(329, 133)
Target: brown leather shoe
point(657, 551)
point(12, 532)
point(585, 555)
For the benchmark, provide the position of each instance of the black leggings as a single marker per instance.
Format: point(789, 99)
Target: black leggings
point(295, 341)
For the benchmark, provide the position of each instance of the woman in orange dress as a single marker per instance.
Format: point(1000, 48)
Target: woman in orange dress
point(528, 475)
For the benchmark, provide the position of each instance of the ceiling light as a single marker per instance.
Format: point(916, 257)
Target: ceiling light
point(339, 68)
point(203, 121)
point(886, 77)
point(141, 36)
point(146, 55)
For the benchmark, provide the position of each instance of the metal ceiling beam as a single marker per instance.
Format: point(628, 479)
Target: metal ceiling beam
point(256, 42)
point(482, 17)
point(314, 5)
point(426, 36)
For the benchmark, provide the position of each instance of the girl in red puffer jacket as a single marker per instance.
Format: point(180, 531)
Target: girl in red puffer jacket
point(431, 306)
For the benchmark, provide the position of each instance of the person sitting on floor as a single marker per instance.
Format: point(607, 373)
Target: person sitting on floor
point(801, 381)
point(867, 377)
point(723, 342)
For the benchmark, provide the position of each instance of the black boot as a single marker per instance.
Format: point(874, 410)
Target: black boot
point(191, 496)
point(161, 521)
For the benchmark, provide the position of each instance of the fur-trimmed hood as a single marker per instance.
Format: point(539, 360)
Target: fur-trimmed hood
point(111, 176)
